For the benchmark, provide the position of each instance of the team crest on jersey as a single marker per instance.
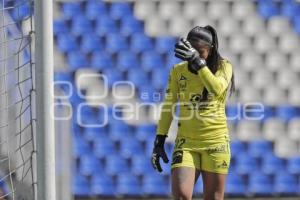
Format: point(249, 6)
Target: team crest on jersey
point(182, 82)
point(182, 78)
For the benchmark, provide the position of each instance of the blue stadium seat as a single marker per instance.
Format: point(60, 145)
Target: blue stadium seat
point(21, 10)
point(296, 23)
point(92, 133)
point(141, 164)
point(87, 110)
point(149, 146)
point(60, 27)
point(94, 9)
point(77, 60)
point(159, 78)
point(165, 44)
point(260, 184)
point(268, 9)
point(112, 76)
point(81, 186)
point(80, 147)
point(70, 10)
point(87, 116)
point(258, 112)
point(130, 25)
point(137, 77)
point(268, 113)
point(127, 60)
point(293, 165)
point(75, 100)
point(287, 112)
point(259, 148)
point(102, 117)
point(151, 60)
point(116, 42)
point(114, 116)
point(64, 81)
point(235, 185)
point(101, 60)
point(147, 94)
point(128, 185)
point(155, 185)
point(166, 167)
point(271, 164)
point(67, 43)
point(119, 130)
point(145, 132)
point(237, 147)
point(91, 43)
point(63, 76)
point(289, 9)
point(103, 146)
point(233, 113)
point(198, 188)
point(115, 164)
point(130, 147)
point(89, 164)
point(119, 10)
point(285, 183)
point(171, 60)
point(81, 25)
point(105, 25)
point(140, 42)
point(245, 163)
point(102, 185)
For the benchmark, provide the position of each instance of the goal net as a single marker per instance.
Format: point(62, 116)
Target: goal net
point(17, 122)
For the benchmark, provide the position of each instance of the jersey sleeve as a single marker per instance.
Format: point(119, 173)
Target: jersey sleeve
point(216, 83)
point(168, 105)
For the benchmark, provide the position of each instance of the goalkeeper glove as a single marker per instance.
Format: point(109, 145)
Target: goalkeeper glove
point(159, 151)
point(185, 51)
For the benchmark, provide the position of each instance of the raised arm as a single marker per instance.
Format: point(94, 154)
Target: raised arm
point(216, 83)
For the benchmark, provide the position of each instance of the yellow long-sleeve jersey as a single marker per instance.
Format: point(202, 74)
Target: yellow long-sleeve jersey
point(198, 119)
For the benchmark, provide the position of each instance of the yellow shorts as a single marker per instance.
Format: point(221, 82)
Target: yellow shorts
point(206, 156)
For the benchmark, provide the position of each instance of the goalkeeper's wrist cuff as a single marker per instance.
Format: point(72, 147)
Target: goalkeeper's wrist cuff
point(200, 63)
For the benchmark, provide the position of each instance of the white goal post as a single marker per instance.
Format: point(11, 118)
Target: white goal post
point(44, 100)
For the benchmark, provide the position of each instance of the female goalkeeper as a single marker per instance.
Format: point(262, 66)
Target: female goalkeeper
point(200, 84)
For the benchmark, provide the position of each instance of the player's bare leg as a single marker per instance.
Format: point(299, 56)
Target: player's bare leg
point(214, 185)
point(183, 180)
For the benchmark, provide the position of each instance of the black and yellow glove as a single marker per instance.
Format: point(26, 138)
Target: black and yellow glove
point(185, 51)
point(159, 152)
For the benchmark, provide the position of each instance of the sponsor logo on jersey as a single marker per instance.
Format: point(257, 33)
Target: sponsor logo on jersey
point(218, 149)
point(196, 103)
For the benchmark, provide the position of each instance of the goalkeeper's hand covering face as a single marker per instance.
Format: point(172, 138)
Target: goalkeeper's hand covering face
point(202, 40)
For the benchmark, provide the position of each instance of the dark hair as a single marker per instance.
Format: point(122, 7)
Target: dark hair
point(214, 59)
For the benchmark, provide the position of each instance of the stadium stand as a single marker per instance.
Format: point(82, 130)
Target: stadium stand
point(134, 42)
